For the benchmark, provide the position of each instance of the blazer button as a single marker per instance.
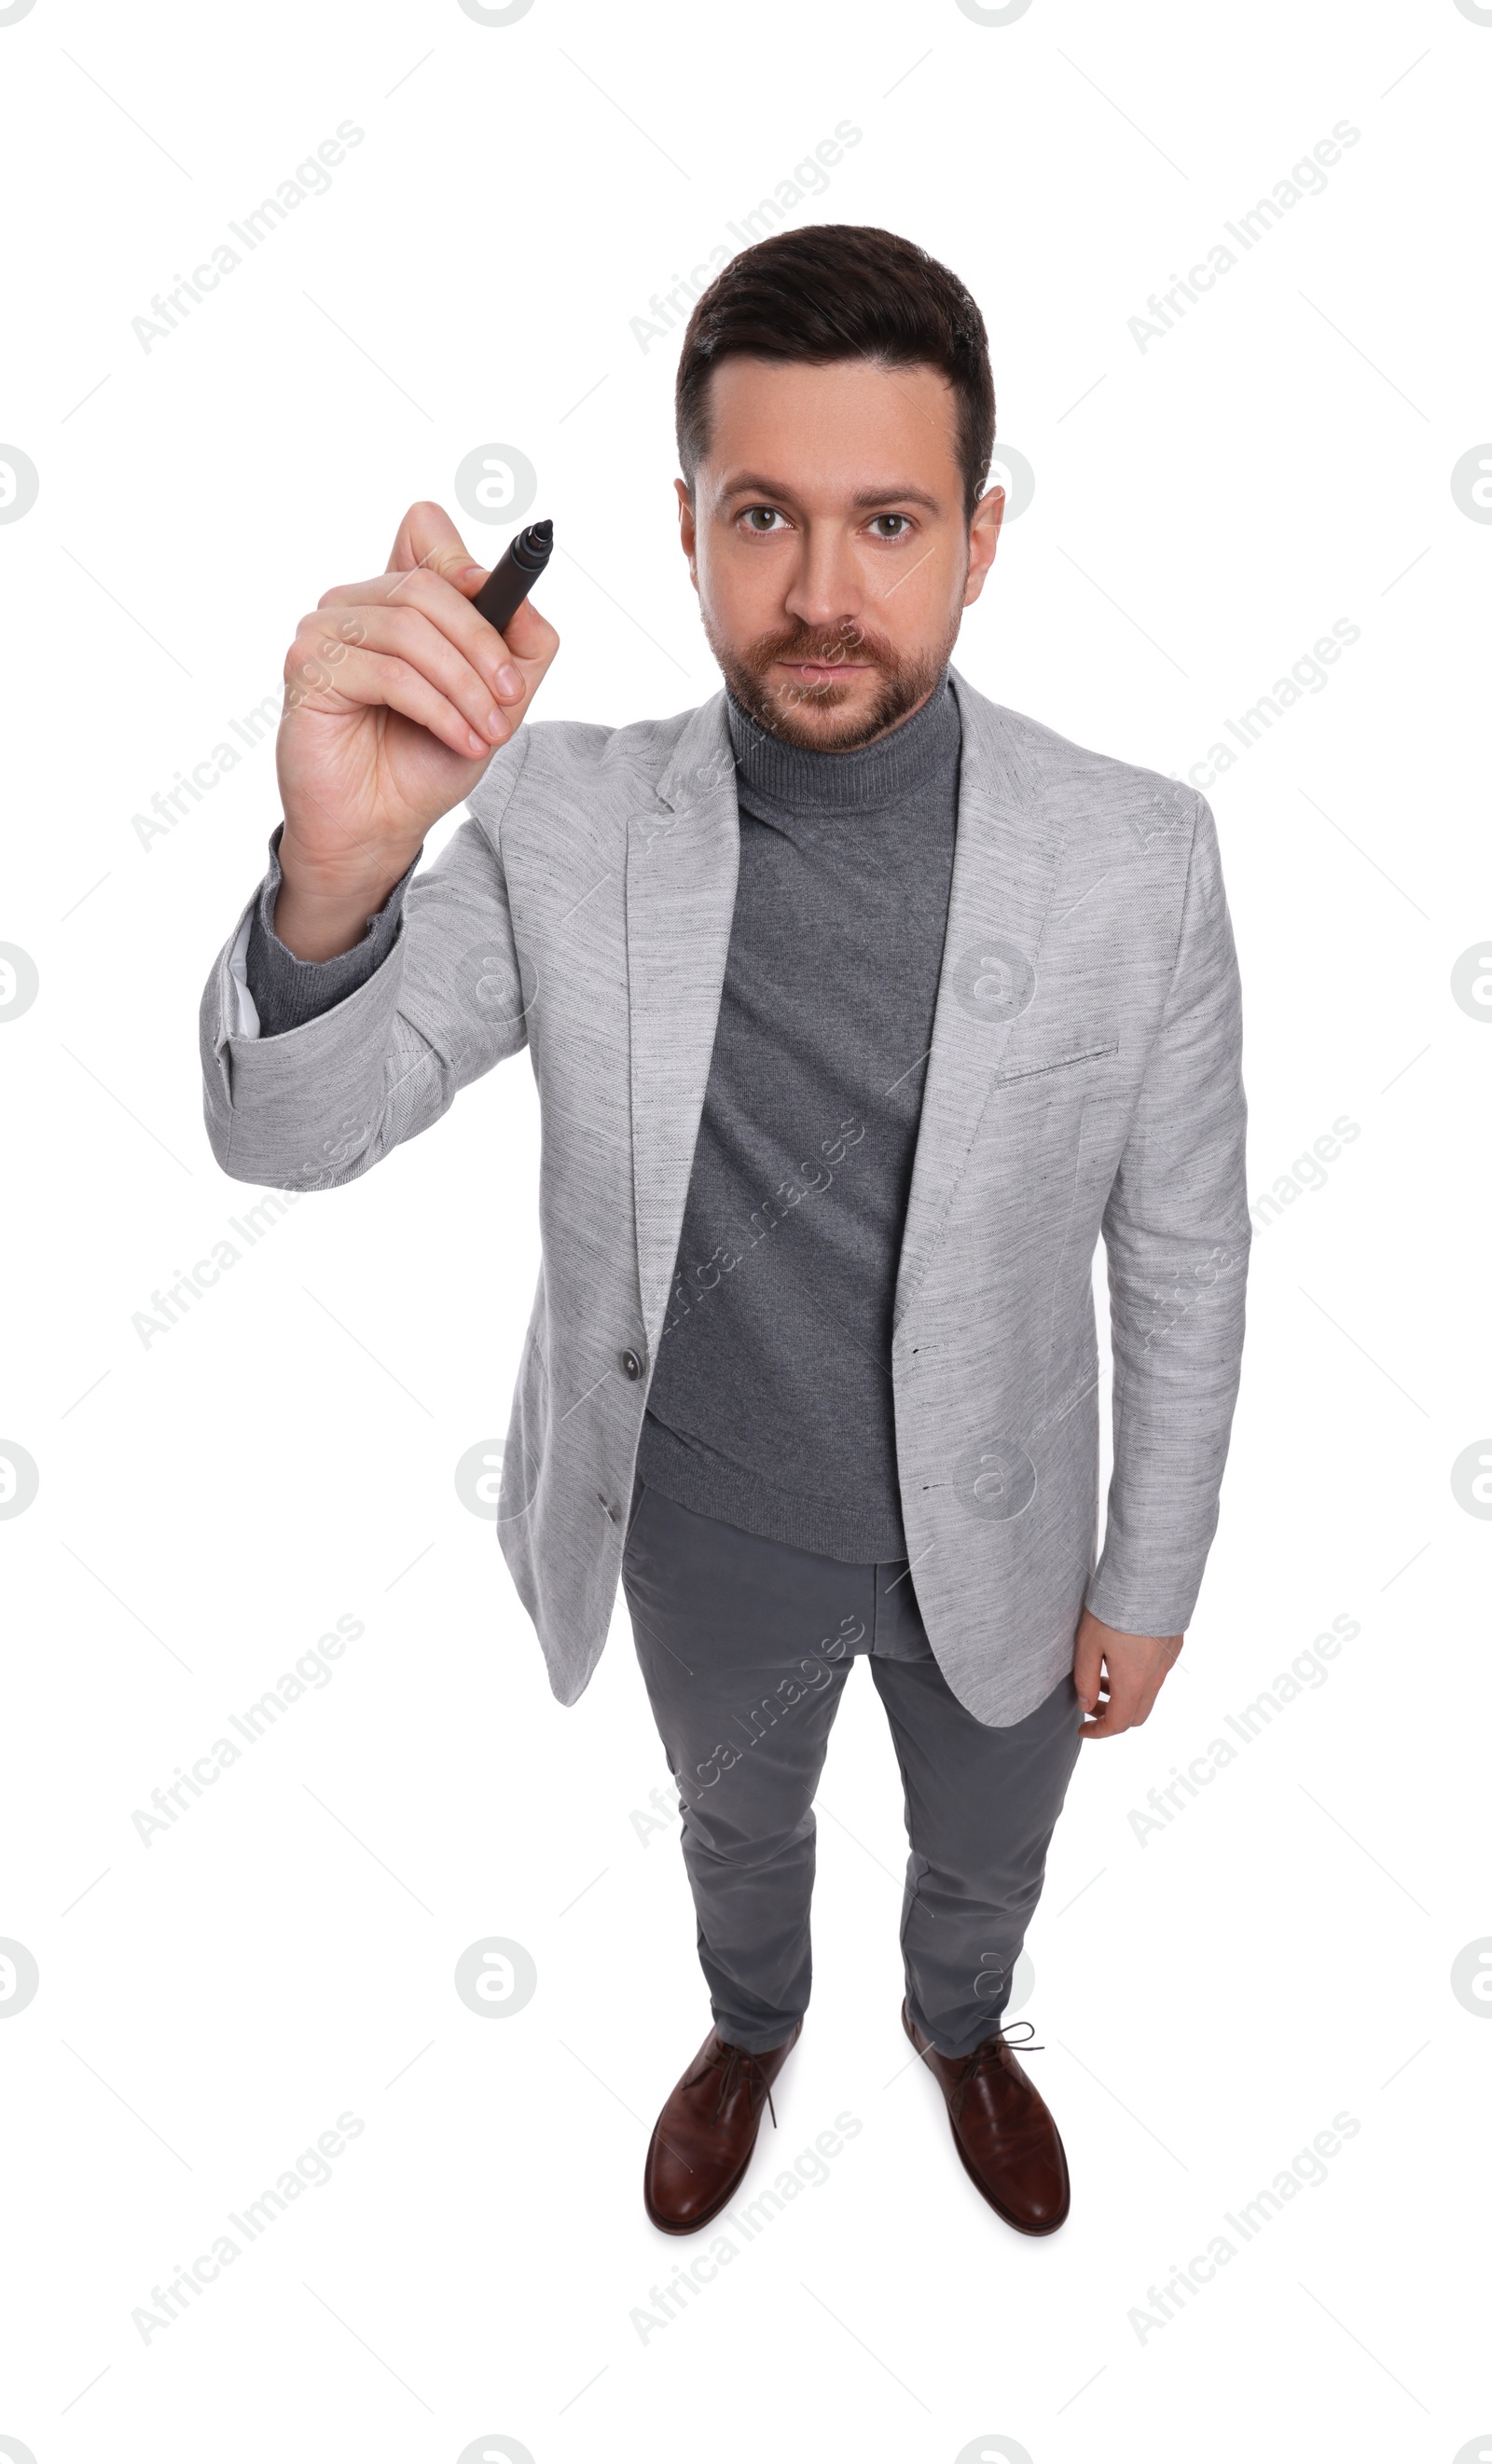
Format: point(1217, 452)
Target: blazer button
point(631, 1365)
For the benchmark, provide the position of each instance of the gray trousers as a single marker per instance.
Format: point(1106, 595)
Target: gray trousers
point(744, 1647)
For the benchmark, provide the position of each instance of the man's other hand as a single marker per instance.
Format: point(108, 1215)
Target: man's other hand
point(1118, 1676)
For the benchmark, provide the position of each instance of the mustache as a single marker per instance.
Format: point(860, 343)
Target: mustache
point(849, 643)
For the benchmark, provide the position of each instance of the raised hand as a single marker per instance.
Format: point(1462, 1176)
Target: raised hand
point(397, 695)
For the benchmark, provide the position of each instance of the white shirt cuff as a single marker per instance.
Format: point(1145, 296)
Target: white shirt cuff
point(239, 968)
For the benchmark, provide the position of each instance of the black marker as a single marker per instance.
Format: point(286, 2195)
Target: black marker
point(514, 574)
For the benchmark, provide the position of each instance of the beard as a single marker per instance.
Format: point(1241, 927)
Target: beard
point(795, 712)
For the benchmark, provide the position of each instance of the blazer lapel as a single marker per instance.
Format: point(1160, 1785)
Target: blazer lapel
point(682, 855)
point(1005, 861)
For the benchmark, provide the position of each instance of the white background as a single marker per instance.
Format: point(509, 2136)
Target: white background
point(1281, 1951)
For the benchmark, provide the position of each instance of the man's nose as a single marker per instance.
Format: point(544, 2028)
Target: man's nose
point(825, 591)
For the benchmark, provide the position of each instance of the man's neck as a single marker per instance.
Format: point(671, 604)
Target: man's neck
point(866, 778)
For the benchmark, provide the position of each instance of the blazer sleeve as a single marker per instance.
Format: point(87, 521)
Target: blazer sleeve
point(320, 1104)
point(1176, 1231)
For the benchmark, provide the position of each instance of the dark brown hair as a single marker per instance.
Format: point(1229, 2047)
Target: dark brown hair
point(840, 291)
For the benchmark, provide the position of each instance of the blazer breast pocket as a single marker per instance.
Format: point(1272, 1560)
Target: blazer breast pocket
point(1016, 1073)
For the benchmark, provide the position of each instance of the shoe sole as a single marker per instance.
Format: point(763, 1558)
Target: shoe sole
point(698, 2223)
point(1032, 2232)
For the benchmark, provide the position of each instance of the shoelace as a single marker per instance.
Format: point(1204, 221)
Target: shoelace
point(988, 2051)
point(739, 2065)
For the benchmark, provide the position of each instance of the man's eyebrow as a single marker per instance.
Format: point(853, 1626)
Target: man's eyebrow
point(756, 483)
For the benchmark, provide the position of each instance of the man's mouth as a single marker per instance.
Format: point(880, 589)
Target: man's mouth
point(823, 671)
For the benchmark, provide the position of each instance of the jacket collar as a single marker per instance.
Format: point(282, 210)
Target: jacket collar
point(704, 759)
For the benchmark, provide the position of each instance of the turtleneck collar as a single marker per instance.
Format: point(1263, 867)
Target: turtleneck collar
point(874, 778)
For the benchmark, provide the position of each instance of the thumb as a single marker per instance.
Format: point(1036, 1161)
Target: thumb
point(428, 536)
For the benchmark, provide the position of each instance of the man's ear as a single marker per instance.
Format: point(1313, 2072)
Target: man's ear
point(687, 537)
point(983, 535)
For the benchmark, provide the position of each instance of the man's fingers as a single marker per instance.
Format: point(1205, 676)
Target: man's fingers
point(370, 679)
point(428, 596)
point(410, 640)
point(406, 634)
point(1118, 1712)
point(1104, 1726)
point(1118, 1675)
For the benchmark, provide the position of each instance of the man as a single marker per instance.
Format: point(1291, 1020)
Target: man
point(858, 1006)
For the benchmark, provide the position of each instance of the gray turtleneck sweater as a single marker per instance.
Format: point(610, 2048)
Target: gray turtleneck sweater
point(771, 1403)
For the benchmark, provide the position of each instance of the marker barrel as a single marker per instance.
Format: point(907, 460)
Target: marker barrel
point(514, 574)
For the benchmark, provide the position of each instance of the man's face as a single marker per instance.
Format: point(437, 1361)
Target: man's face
point(828, 544)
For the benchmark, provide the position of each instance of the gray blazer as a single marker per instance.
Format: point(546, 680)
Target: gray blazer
point(1083, 1077)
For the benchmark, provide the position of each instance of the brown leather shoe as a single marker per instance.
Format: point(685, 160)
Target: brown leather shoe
point(704, 2138)
point(1006, 2139)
